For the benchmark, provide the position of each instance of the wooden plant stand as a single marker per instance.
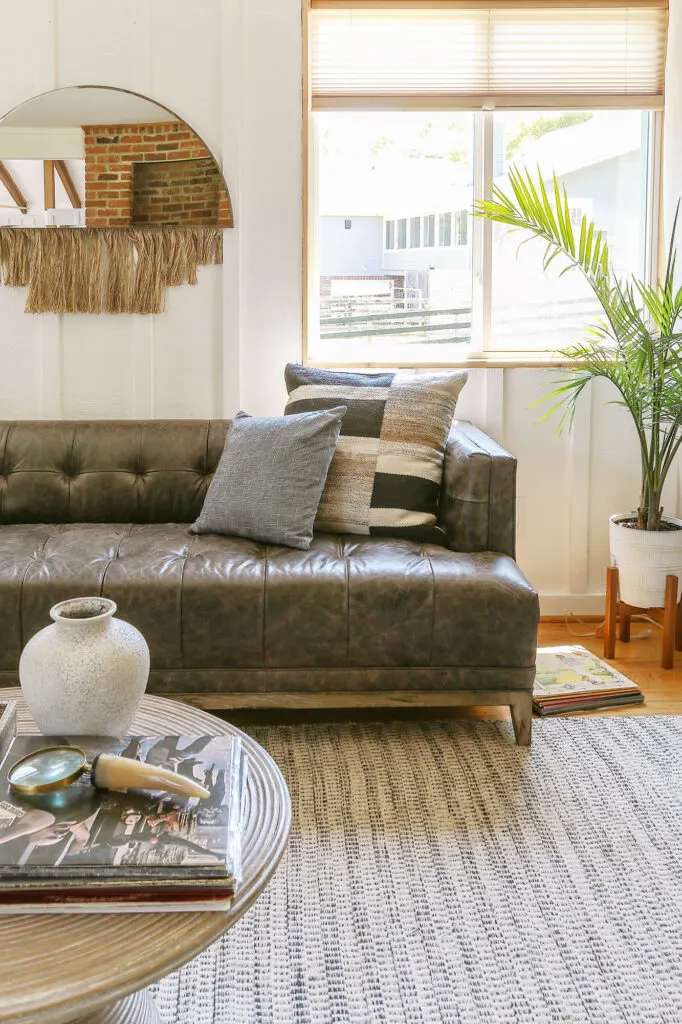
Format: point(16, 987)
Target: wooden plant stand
point(619, 613)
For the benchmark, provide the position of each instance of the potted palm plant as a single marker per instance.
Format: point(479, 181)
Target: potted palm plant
point(637, 346)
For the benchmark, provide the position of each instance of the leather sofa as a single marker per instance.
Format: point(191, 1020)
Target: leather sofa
point(102, 506)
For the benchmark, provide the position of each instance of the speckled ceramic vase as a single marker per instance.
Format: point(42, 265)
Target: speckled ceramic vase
point(86, 673)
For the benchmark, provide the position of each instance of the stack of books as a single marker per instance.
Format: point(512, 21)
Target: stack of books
point(83, 849)
point(572, 679)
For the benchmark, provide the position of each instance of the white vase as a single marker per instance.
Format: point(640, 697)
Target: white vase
point(86, 673)
point(644, 558)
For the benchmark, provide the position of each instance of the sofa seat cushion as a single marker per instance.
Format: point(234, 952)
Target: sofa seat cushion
point(210, 602)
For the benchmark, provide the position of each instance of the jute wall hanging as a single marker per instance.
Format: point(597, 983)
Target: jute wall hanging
point(91, 270)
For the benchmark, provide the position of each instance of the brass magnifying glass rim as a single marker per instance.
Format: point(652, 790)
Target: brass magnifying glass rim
point(47, 787)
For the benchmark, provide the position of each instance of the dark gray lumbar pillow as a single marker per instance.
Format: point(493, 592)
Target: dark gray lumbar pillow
point(270, 477)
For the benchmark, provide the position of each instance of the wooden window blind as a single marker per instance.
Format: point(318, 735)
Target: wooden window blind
point(426, 54)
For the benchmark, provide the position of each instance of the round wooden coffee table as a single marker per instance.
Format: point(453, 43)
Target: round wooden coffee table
point(94, 968)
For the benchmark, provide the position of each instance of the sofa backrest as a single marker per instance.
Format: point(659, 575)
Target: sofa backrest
point(107, 471)
point(158, 471)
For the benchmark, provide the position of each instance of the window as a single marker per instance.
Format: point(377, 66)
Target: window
point(434, 287)
point(601, 157)
point(372, 164)
point(461, 227)
point(576, 214)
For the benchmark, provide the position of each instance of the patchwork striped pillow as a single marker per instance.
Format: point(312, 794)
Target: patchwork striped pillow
point(385, 476)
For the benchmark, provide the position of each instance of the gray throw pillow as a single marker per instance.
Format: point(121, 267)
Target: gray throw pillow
point(270, 477)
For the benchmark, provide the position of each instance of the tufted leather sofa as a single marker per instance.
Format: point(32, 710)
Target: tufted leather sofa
point(99, 507)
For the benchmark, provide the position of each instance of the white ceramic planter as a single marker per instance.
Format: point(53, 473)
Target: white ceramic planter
point(644, 558)
point(86, 673)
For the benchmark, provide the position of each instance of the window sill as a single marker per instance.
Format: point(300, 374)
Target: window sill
point(477, 361)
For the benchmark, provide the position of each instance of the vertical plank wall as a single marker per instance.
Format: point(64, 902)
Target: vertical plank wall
point(232, 69)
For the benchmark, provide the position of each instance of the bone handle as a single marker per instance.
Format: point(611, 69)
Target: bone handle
point(111, 772)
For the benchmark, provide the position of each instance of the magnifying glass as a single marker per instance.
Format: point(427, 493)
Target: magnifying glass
point(52, 768)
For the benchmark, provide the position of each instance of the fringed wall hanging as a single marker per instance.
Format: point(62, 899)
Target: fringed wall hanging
point(91, 270)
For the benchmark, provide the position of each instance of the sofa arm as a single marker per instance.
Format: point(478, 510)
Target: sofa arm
point(478, 496)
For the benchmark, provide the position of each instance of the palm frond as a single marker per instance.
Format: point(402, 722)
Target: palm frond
point(636, 346)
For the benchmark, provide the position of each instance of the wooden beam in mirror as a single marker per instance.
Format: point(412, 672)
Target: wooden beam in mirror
point(67, 181)
point(48, 185)
point(99, 157)
point(12, 189)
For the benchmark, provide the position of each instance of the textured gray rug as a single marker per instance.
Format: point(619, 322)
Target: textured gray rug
point(437, 873)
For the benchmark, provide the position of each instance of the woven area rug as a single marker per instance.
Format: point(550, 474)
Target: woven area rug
point(438, 873)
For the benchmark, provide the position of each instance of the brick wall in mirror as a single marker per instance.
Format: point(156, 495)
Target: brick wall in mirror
point(133, 199)
point(99, 157)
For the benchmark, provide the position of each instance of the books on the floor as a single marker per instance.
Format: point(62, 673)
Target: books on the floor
point(571, 678)
point(82, 848)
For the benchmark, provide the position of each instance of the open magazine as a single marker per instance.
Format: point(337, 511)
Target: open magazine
point(86, 848)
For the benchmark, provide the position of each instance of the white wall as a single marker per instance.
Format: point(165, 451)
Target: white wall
point(232, 69)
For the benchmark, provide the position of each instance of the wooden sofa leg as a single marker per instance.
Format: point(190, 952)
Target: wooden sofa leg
point(522, 719)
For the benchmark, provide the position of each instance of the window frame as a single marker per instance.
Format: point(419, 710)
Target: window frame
point(481, 351)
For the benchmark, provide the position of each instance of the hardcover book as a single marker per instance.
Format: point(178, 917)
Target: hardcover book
point(83, 846)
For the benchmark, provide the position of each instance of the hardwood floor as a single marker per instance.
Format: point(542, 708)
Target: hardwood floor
point(640, 660)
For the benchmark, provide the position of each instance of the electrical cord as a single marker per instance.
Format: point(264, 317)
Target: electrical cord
point(599, 630)
point(573, 632)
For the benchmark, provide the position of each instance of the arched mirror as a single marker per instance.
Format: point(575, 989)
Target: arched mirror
point(134, 199)
point(99, 157)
